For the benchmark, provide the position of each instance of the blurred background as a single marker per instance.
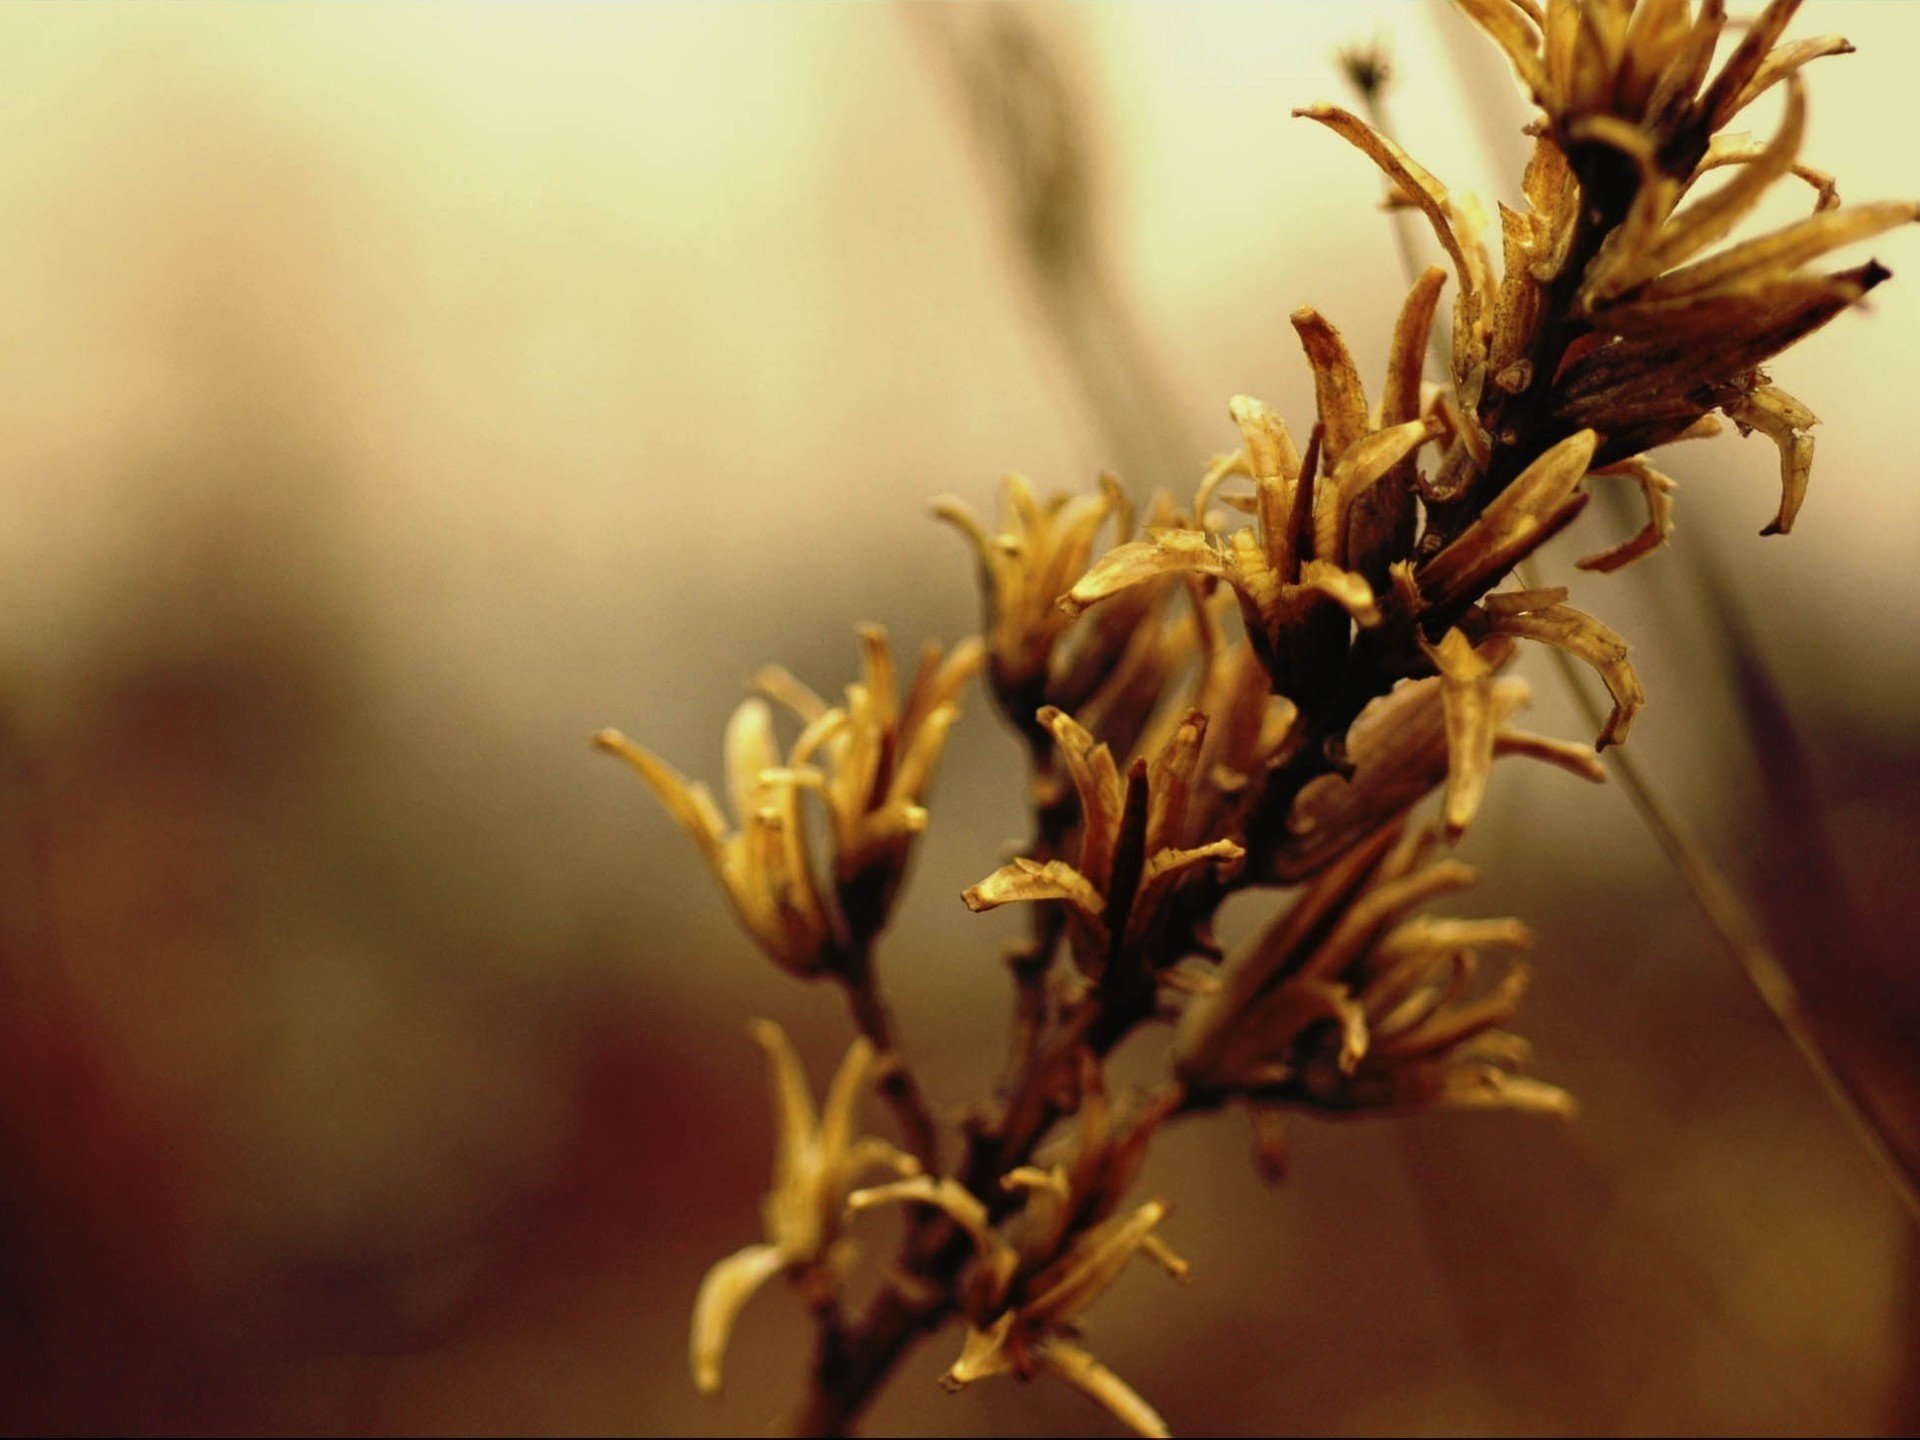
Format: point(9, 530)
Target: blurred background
point(392, 396)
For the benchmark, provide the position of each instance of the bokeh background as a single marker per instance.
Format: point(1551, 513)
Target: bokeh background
point(392, 396)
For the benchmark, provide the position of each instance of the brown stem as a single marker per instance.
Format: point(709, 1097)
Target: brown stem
point(896, 1083)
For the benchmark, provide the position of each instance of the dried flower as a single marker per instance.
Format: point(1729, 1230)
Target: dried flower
point(817, 1162)
point(1133, 853)
point(1343, 1005)
point(1036, 655)
point(871, 762)
point(1067, 1244)
point(1176, 757)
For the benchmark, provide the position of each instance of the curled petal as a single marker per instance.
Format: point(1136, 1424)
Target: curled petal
point(777, 683)
point(1744, 65)
point(838, 1111)
point(1581, 635)
point(982, 1353)
point(1086, 1374)
point(1488, 1087)
point(1657, 490)
point(1705, 221)
point(1574, 759)
point(1096, 780)
point(1095, 1261)
point(1336, 381)
point(1362, 465)
point(799, 1129)
point(1785, 421)
point(1276, 470)
point(1350, 591)
point(1166, 552)
point(1782, 63)
point(1414, 179)
point(691, 805)
point(913, 776)
point(727, 1288)
point(944, 1194)
point(1029, 880)
point(1516, 33)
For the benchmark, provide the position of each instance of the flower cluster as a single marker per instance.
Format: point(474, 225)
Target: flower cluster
point(1212, 707)
point(870, 761)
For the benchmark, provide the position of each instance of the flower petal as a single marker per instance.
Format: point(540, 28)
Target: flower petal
point(1030, 881)
point(1466, 692)
point(727, 1288)
point(1086, 1374)
point(798, 1130)
point(1581, 635)
point(1165, 552)
point(1413, 178)
point(1657, 490)
point(691, 805)
point(1785, 421)
point(1520, 518)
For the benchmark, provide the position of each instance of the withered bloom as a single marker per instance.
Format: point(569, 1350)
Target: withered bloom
point(1037, 1272)
point(871, 762)
point(1133, 853)
point(1342, 1004)
point(1109, 670)
point(818, 1159)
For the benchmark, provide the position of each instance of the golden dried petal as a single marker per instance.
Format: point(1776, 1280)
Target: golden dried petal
point(797, 1130)
point(1165, 868)
point(913, 774)
point(1165, 552)
point(1781, 63)
point(1082, 1275)
point(1585, 637)
point(1434, 935)
point(1030, 881)
point(1276, 470)
point(690, 805)
point(1784, 248)
point(1487, 1087)
point(1364, 464)
point(1574, 759)
point(1079, 1369)
point(1341, 396)
point(1350, 591)
point(1656, 37)
point(944, 1194)
point(727, 1288)
point(1455, 1024)
point(1518, 520)
point(1170, 782)
point(1466, 692)
point(1379, 907)
point(1518, 35)
point(1407, 359)
point(1710, 219)
point(1785, 421)
point(838, 1112)
point(1413, 178)
point(1743, 66)
point(1096, 780)
point(982, 1353)
point(778, 684)
point(1516, 304)
point(1657, 490)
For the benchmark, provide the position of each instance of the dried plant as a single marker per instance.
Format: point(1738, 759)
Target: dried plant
point(1212, 707)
